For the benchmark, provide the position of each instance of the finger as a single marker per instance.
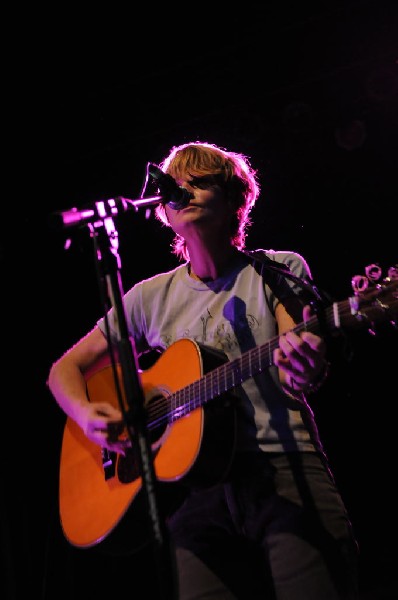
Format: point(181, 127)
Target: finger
point(308, 312)
point(280, 358)
point(107, 410)
point(292, 343)
point(313, 343)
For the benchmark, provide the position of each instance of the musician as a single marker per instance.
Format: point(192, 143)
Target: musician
point(271, 523)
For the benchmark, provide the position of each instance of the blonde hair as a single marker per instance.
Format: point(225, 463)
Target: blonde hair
point(238, 179)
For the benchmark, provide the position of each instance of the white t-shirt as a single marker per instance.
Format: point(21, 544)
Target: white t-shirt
point(235, 315)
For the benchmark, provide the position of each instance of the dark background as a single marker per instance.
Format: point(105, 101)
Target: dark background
point(310, 93)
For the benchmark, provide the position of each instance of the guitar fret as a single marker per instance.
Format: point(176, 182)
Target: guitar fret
point(215, 385)
point(270, 354)
point(225, 373)
point(197, 396)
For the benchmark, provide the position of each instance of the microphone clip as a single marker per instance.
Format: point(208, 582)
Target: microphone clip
point(172, 194)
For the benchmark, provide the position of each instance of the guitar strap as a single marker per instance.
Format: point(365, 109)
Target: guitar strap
point(275, 274)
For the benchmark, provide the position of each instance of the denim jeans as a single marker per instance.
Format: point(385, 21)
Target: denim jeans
point(277, 528)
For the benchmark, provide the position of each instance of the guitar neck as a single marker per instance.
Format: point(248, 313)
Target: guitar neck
point(233, 373)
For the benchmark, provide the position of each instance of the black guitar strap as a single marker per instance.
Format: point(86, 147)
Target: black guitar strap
point(275, 275)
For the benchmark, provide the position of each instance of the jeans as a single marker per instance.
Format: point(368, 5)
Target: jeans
point(277, 528)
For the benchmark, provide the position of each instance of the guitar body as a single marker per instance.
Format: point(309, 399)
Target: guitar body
point(98, 500)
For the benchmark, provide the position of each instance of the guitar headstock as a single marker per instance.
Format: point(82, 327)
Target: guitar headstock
point(375, 297)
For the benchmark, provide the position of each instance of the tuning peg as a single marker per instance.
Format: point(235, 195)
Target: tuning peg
point(393, 273)
point(373, 272)
point(359, 283)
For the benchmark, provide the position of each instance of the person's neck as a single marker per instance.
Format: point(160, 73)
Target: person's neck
point(210, 265)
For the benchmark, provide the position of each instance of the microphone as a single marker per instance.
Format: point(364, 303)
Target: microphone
point(172, 194)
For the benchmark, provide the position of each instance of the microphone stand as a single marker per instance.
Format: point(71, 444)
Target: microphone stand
point(105, 238)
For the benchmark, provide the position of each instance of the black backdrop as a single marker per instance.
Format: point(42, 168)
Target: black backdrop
point(310, 94)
